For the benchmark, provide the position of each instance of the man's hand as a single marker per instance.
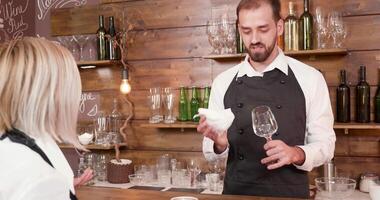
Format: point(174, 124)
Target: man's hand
point(84, 178)
point(280, 154)
point(220, 139)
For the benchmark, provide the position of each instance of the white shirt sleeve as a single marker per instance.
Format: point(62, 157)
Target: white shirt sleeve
point(320, 136)
point(216, 102)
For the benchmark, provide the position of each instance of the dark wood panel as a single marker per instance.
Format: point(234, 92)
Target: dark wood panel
point(102, 78)
point(79, 20)
point(141, 138)
point(171, 73)
point(354, 166)
point(170, 43)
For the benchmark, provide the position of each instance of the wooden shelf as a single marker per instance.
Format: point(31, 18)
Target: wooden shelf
point(354, 125)
point(315, 52)
point(92, 146)
point(98, 63)
point(183, 125)
point(177, 124)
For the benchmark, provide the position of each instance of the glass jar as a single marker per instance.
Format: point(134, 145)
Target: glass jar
point(366, 179)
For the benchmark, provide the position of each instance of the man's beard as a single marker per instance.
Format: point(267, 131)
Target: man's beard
point(261, 57)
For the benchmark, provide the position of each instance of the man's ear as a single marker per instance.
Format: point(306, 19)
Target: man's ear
point(280, 27)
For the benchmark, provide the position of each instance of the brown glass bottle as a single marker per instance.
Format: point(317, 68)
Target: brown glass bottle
point(343, 100)
point(362, 98)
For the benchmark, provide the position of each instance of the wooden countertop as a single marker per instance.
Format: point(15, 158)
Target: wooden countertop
point(99, 193)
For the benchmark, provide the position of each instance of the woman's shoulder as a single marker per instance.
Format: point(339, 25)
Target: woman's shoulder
point(23, 171)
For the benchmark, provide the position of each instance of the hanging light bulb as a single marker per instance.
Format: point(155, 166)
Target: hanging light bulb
point(125, 87)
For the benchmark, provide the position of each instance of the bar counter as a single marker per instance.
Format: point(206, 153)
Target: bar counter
point(99, 193)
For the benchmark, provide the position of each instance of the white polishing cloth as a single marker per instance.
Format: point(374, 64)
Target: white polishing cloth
point(219, 120)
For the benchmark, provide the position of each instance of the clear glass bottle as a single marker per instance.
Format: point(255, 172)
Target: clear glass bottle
point(115, 121)
point(291, 30)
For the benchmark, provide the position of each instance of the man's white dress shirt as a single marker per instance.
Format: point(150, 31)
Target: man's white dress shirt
point(319, 136)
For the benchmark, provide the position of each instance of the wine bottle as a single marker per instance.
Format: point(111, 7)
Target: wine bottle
point(111, 40)
point(343, 99)
point(291, 30)
point(101, 41)
point(377, 102)
point(362, 98)
point(306, 28)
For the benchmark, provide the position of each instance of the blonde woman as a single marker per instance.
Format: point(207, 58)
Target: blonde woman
point(40, 90)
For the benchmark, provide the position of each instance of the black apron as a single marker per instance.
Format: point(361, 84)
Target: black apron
point(245, 175)
point(19, 137)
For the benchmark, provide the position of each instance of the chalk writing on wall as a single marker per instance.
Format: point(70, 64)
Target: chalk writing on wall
point(89, 105)
point(45, 5)
point(15, 15)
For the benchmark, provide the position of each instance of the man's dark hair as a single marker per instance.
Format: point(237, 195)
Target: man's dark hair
point(253, 4)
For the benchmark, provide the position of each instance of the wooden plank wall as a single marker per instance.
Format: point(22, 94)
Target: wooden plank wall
point(170, 51)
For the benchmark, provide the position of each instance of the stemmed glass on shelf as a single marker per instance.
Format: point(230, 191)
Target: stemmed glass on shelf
point(81, 40)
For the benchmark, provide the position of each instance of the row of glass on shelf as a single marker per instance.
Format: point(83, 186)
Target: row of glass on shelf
point(167, 171)
point(325, 30)
point(161, 104)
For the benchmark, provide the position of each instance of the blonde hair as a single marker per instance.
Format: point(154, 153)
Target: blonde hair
point(40, 89)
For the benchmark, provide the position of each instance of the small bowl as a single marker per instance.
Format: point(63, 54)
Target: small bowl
point(184, 198)
point(335, 187)
point(85, 138)
point(135, 179)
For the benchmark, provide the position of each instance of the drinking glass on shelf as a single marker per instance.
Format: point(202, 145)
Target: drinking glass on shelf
point(101, 129)
point(263, 122)
point(321, 30)
point(73, 47)
point(337, 28)
point(64, 41)
point(81, 40)
point(91, 48)
point(154, 103)
point(194, 169)
point(168, 100)
point(213, 38)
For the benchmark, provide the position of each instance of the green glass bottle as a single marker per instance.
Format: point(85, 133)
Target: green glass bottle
point(343, 100)
point(362, 98)
point(199, 97)
point(377, 102)
point(206, 97)
point(194, 104)
point(306, 28)
point(183, 110)
point(111, 41)
point(101, 40)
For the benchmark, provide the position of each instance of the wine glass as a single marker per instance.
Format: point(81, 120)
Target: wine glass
point(168, 101)
point(263, 122)
point(194, 169)
point(81, 40)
